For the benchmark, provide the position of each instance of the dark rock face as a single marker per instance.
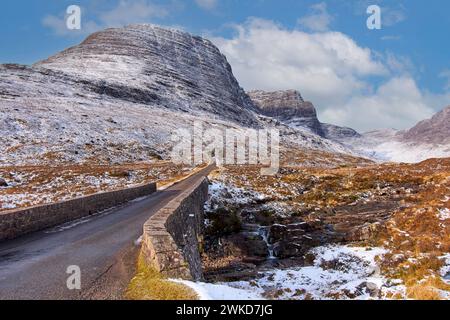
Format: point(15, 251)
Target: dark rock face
point(295, 240)
point(290, 107)
point(3, 183)
point(433, 131)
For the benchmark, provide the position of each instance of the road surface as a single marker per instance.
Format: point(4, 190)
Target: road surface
point(104, 246)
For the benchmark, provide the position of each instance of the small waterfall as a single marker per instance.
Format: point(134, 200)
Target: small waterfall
point(264, 233)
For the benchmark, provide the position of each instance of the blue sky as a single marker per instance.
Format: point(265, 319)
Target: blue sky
point(404, 67)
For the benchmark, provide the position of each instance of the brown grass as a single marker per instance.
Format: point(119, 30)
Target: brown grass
point(427, 289)
point(149, 284)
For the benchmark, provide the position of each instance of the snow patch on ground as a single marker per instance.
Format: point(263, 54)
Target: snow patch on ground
point(338, 272)
point(209, 291)
point(445, 270)
point(444, 214)
point(221, 193)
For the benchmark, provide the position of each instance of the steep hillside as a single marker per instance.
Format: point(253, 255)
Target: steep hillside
point(149, 64)
point(431, 131)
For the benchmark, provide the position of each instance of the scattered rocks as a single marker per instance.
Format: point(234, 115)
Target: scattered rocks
point(294, 247)
point(255, 245)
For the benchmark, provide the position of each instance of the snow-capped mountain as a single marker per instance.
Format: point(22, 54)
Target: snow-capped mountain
point(428, 139)
point(120, 94)
point(151, 65)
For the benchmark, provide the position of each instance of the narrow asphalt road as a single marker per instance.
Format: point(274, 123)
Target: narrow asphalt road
point(104, 246)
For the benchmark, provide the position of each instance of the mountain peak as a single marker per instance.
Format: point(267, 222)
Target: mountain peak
point(287, 106)
point(435, 130)
point(147, 63)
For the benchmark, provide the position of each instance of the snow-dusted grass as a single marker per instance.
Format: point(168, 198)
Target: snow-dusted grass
point(36, 185)
point(445, 270)
point(221, 193)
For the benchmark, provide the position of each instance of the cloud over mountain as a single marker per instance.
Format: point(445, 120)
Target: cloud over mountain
point(330, 69)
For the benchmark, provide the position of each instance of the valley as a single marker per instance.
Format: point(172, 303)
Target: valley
point(349, 215)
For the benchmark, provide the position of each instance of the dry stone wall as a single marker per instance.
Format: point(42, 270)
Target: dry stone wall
point(14, 223)
point(172, 236)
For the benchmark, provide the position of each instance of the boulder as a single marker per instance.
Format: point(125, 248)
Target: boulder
point(286, 249)
point(3, 183)
point(294, 246)
point(364, 233)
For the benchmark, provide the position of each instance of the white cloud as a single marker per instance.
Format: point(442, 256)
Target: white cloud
point(398, 64)
point(124, 13)
point(318, 20)
point(398, 103)
point(128, 12)
point(329, 69)
point(207, 4)
point(58, 26)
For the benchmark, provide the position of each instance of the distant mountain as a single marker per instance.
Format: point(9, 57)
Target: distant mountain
point(428, 139)
point(434, 131)
point(289, 107)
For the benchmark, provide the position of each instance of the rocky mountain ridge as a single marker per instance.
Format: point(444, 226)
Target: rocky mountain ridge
point(289, 107)
point(120, 94)
point(435, 130)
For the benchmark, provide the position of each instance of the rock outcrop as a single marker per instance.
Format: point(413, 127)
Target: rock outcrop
point(334, 132)
point(290, 107)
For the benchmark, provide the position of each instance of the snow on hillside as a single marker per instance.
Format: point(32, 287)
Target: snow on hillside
point(407, 153)
point(386, 146)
